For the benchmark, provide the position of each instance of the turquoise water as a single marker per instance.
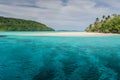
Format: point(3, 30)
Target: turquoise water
point(59, 58)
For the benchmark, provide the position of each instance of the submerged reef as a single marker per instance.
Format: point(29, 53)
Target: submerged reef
point(79, 66)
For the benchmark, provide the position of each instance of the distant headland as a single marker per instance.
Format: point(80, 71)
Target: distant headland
point(14, 24)
point(108, 24)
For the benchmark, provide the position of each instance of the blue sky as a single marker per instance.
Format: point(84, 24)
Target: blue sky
point(60, 14)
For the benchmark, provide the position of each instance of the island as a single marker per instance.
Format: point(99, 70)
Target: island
point(14, 24)
point(108, 24)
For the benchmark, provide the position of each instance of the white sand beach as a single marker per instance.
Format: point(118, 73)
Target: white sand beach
point(68, 34)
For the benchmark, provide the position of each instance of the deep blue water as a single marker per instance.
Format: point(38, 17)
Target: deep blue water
point(59, 58)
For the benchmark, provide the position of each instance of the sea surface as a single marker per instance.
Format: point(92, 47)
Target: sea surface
point(59, 58)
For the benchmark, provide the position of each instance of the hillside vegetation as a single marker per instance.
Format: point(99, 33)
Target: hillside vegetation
point(13, 24)
point(109, 24)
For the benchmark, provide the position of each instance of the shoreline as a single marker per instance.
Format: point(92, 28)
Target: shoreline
point(58, 34)
point(69, 34)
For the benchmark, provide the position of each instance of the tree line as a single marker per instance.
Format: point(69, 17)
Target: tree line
point(108, 24)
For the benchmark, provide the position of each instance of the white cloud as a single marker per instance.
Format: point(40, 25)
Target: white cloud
point(76, 14)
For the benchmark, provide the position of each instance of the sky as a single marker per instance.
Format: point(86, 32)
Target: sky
point(60, 14)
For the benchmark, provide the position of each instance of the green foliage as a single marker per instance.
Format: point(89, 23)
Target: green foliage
point(109, 24)
point(13, 24)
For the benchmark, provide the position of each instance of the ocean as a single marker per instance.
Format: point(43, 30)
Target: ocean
point(59, 57)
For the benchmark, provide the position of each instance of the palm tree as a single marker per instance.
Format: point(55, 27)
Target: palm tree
point(90, 25)
point(97, 19)
point(103, 17)
point(108, 16)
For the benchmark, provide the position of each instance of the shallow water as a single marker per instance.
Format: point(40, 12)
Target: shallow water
point(59, 58)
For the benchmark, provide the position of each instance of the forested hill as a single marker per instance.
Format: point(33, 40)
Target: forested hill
point(109, 24)
point(14, 24)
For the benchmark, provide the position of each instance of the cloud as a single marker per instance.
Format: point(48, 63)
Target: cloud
point(59, 14)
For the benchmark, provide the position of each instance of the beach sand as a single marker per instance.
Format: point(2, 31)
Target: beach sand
point(69, 34)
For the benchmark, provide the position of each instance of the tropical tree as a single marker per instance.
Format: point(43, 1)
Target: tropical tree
point(103, 17)
point(97, 19)
point(107, 25)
